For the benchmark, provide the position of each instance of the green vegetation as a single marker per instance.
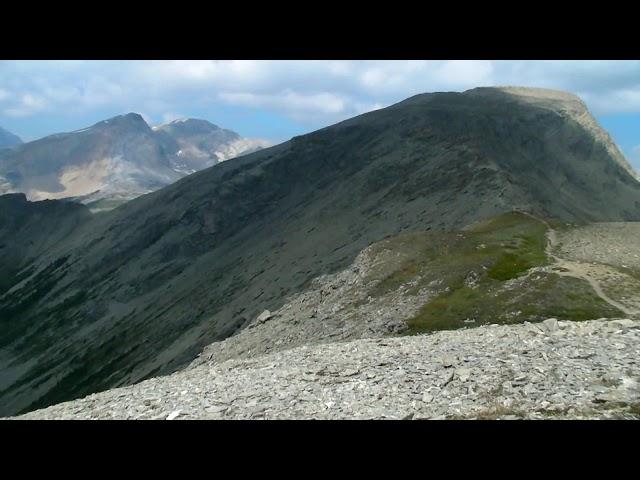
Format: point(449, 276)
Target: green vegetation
point(482, 275)
point(532, 299)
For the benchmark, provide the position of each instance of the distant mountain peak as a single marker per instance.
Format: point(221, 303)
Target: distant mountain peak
point(117, 159)
point(192, 121)
point(194, 144)
point(8, 139)
point(190, 126)
point(128, 120)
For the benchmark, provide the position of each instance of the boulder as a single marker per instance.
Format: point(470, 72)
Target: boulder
point(550, 325)
point(264, 316)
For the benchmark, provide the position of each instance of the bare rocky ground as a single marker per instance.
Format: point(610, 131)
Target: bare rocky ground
point(564, 370)
point(613, 243)
point(608, 256)
point(334, 308)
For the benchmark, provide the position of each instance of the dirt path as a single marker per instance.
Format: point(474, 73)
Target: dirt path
point(576, 269)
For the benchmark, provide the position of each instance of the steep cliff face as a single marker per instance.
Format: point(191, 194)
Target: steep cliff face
point(140, 290)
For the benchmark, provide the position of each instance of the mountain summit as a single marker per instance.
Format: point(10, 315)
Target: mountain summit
point(128, 122)
point(565, 104)
point(197, 144)
point(139, 291)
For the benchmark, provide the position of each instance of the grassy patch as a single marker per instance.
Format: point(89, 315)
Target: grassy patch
point(483, 275)
point(532, 299)
point(521, 241)
point(528, 253)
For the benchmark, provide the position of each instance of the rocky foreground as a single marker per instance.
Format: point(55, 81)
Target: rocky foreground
point(547, 370)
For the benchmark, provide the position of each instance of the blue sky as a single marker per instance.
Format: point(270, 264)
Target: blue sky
point(276, 100)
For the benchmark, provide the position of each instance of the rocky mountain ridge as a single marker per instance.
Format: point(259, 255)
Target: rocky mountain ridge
point(140, 291)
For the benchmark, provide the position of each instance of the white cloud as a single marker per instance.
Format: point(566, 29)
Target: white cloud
point(290, 101)
point(27, 105)
point(616, 101)
point(311, 91)
point(411, 77)
point(463, 74)
point(33, 101)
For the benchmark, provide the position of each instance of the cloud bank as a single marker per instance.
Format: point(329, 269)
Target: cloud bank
point(311, 92)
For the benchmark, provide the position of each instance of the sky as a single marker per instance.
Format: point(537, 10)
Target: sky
point(276, 100)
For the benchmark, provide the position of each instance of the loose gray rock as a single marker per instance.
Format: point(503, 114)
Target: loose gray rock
point(550, 325)
point(501, 372)
point(173, 415)
point(264, 316)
